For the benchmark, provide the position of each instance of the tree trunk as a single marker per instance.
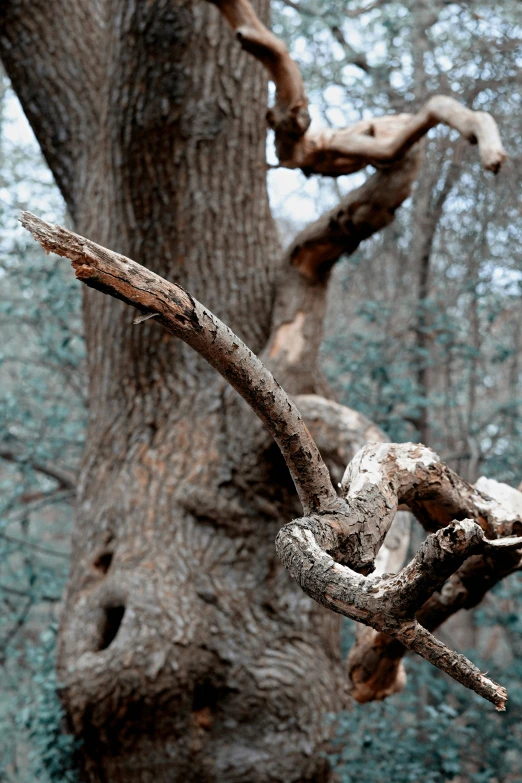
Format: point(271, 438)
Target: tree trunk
point(186, 650)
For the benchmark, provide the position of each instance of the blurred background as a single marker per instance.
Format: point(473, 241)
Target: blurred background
point(424, 336)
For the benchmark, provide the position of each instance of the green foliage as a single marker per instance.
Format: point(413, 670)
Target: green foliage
point(436, 731)
point(42, 420)
point(52, 755)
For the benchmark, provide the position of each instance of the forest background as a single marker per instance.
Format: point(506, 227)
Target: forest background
point(424, 336)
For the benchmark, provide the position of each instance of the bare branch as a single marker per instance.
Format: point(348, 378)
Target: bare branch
point(389, 143)
point(374, 662)
point(329, 551)
point(385, 140)
point(325, 560)
point(183, 316)
point(65, 479)
point(362, 213)
point(289, 117)
point(297, 320)
point(338, 431)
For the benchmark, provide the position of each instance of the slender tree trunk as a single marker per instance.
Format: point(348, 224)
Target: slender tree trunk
point(423, 235)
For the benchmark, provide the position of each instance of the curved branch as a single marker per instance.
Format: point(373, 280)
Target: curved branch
point(374, 662)
point(376, 142)
point(379, 479)
point(289, 117)
point(183, 316)
point(385, 140)
point(297, 320)
point(381, 602)
point(338, 431)
point(360, 214)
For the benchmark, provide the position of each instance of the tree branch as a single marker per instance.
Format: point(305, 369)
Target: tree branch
point(183, 316)
point(379, 479)
point(374, 662)
point(389, 143)
point(289, 117)
point(329, 551)
point(297, 321)
point(377, 142)
point(338, 431)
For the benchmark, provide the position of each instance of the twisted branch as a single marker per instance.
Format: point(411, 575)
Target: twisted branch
point(377, 142)
point(374, 663)
point(330, 550)
point(325, 562)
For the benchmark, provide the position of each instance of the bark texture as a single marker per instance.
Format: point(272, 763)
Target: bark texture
point(184, 647)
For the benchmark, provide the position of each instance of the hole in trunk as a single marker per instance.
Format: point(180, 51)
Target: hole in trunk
point(111, 625)
point(103, 562)
point(205, 695)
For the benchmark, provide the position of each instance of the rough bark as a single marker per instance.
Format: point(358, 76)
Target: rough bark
point(173, 551)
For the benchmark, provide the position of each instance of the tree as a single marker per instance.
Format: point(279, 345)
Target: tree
point(184, 646)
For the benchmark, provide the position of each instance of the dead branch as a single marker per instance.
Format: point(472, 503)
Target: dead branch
point(374, 663)
point(338, 431)
point(360, 214)
point(183, 316)
point(330, 550)
point(289, 117)
point(326, 564)
point(390, 143)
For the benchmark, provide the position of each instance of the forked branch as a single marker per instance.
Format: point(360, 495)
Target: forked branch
point(374, 662)
point(467, 523)
point(330, 549)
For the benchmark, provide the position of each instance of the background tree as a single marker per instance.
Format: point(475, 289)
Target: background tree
point(103, 562)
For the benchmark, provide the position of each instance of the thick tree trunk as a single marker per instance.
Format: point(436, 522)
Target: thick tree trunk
point(186, 650)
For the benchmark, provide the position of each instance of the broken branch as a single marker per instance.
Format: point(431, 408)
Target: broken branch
point(183, 316)
point(329, 551)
